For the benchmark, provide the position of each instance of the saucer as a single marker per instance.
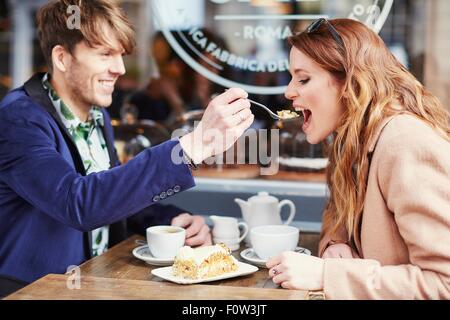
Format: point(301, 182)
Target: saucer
point(143, 253)
point(249, 255)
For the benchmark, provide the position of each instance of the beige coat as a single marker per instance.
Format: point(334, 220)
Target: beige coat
point(404, 239)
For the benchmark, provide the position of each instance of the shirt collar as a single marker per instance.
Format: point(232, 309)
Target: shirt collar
point(69, 119)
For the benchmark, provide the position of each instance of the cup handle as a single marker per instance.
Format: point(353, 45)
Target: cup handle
point(291, 214)
point(245, 227)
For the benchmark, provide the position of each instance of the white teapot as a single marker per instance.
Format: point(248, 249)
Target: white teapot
point(264, 209)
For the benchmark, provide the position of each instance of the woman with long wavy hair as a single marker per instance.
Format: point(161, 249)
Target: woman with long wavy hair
point(386, 227)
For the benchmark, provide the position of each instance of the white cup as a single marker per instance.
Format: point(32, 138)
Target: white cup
point(271, 240)
point(228, 228)
point(165, 241)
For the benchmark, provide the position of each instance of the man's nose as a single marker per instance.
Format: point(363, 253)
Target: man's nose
point(118, 67)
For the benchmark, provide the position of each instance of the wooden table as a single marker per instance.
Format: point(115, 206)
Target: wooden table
point(117, 274)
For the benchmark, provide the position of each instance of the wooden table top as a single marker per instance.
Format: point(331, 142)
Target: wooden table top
point(117, 274)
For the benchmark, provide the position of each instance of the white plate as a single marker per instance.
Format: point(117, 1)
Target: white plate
point(249, 255)
point(167, 274)
point(143, 253)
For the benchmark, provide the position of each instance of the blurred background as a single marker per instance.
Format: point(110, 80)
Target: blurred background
point(188, 51)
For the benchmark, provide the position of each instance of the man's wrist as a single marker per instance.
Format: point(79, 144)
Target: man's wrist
point(188, 145)
point(194, 147)
point(187, 160)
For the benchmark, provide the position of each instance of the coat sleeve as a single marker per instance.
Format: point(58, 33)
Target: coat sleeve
point(32, 167)
point(414, 179)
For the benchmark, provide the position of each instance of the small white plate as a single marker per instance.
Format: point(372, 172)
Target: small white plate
point(167, 274)
point(143, 253)
point(249, 255)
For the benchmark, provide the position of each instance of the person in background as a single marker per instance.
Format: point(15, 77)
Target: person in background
point(386, 228)
point(64, 197)
point(161, 99)
point(134, 146)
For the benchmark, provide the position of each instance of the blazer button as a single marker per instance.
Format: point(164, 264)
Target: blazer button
point(162, 195)
point(156, 198)
point(177, 189)
point(169, 192)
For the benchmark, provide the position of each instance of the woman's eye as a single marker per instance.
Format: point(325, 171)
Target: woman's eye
point(304, 81)
point(106, 53)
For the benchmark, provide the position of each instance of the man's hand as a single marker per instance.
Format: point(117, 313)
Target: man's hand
point(224, 121)
point(197, 231)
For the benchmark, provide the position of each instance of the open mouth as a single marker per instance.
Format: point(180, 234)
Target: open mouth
point(307, 115)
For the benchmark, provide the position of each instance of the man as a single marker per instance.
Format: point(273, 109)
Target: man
point(63, 195)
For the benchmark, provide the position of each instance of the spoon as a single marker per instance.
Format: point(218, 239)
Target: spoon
point(271, 113)
point(140, 242)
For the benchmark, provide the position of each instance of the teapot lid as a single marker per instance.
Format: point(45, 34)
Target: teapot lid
point(263, 197)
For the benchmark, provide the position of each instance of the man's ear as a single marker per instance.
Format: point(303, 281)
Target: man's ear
point(60, 58)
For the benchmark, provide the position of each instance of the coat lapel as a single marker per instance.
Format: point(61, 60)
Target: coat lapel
point(109, 145)
point(36, 91)
point(371, 149)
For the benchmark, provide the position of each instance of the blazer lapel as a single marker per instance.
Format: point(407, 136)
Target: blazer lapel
point(110, 145)
point(36, 91)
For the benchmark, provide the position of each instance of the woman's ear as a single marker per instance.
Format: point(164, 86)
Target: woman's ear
point(59, 58)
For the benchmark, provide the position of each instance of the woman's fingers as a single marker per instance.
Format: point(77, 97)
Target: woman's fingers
point(340, 250)
point(273, 261)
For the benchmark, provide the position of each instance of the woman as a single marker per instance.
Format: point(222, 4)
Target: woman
point(386, 228)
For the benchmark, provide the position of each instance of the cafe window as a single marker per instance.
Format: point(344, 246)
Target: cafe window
point(189, 51)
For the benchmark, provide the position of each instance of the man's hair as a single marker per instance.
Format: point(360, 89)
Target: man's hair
point(54, 26)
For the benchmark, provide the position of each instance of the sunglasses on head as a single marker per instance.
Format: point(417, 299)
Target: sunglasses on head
point(316, 24)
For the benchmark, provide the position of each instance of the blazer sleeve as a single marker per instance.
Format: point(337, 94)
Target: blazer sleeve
point(32, 167)
point(414, 179)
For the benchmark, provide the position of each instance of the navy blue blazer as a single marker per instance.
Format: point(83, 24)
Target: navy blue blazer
point(48, 203)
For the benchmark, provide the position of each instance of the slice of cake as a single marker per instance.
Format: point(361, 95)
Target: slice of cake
point(203, 262)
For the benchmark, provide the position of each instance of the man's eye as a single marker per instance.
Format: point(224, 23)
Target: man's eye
point(106, 53)
point(304, 81)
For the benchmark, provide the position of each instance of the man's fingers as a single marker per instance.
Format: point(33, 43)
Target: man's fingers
point(229, 96)
point(244, 125)
point(181, 220)
point(199, 238)
point(237, 118)
point(195, 226)
point(235, 107)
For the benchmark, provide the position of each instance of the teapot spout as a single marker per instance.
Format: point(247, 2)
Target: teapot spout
point(245, 208)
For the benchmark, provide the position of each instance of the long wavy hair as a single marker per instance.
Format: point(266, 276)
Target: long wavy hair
point(373, 82)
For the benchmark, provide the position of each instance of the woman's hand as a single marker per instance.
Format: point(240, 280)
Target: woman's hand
point(294, 270)
point(338, 250)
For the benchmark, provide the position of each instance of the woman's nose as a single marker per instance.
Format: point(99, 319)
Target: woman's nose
point(290, 93)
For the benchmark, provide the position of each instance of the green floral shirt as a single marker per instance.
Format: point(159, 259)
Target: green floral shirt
point(88, 137)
